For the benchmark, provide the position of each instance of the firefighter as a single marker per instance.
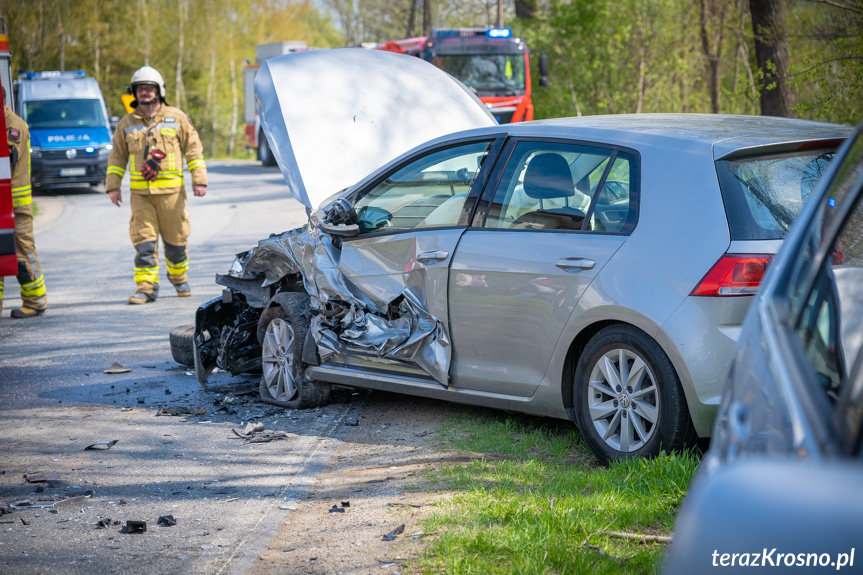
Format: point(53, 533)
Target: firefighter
point(152, 141)
point(34, 300)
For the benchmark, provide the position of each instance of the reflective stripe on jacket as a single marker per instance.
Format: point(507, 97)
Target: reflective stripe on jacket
point(169, 131)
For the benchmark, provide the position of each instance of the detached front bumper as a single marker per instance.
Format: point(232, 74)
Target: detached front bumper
point(79, 170)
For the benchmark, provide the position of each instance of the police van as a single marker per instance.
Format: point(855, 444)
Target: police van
point(70, 131)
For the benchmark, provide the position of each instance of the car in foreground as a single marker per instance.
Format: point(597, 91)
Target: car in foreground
point(595, 269)
point(780, 484)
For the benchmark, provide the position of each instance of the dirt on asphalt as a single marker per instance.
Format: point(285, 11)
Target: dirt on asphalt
point(314, 492)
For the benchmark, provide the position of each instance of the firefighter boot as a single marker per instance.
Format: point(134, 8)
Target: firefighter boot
point(183, 289)
point(142, 297)
point(25, 312)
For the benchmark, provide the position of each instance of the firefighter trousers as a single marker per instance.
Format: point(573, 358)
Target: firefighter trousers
point(33, 294)
point(155, 215)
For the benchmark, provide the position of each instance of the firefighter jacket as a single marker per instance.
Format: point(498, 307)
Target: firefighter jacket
point(137, 136)
point(18, 137)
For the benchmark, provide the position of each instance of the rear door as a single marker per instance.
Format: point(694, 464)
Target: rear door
point(558, 212)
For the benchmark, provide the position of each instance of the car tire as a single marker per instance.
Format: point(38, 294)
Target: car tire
point(283, 382)
point(642, 415)
point(265, 154)
point(182, 344)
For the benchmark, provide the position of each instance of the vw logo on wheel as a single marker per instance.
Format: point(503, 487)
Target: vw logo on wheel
point(71, 154)
point(623, 398)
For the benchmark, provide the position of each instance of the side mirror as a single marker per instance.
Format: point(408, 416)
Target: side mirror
point(543, 70)
point(338, 230)
point(114, 121)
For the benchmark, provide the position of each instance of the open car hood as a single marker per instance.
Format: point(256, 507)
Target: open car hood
point(334, 116)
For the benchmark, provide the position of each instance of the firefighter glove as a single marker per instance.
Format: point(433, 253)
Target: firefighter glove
point(153, 165)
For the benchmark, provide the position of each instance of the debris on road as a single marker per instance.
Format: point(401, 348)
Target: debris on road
point(394, 533)
point(133, 526)
point(337, 509)
point(257, 433)
point(102, 445)
point(104, 523)
point(289, 505)
point(167, 521)
point(116, 368)
point(41, 478)
point(182, 410)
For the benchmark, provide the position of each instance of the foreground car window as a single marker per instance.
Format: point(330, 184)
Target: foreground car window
point(764, 194)
point(828, 313)
point(430, 191)
point(552, 186)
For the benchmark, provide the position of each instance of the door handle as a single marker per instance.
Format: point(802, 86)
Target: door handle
point(431, 257)
point(574, 264)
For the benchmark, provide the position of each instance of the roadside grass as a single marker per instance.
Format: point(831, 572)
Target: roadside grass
point(535, 501)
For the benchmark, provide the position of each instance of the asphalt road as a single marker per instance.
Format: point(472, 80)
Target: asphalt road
point(227, 495)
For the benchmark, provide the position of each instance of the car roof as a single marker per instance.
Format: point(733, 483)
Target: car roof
point(727, 135)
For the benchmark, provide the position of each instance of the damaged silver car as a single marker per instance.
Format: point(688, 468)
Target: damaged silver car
point(594, 269)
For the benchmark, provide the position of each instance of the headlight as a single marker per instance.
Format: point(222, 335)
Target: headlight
point(105, 150)
point(35, 152)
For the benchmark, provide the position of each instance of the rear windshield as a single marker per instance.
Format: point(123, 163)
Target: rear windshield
point(764, 194)
point(48, 114)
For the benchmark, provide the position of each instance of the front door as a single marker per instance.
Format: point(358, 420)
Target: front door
point(409, 230)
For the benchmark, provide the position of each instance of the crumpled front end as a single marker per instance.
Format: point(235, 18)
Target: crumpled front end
point(388, 320)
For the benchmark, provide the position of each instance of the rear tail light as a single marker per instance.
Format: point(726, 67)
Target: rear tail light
point(734, 275)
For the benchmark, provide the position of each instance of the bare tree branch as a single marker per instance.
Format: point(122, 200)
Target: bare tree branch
point(838, 5)
point(825, 62)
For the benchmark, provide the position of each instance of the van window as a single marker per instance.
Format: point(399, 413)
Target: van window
point(764, 194)
point(50, 114)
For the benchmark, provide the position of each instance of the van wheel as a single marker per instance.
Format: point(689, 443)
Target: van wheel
point(628, 398)
point(284, 382)
point(265, 154)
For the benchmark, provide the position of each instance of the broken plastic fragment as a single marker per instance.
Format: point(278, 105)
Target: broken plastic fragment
point(133, 526)
point(394, 533)
point(103, 445)
point(182, 410)
point(116, 367)
point(41, 478)
point(167, 521)
point(103, 523)
point(337, 509)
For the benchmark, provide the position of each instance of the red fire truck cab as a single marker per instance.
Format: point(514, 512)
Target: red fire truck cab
point(8, 261)
point(490, 61)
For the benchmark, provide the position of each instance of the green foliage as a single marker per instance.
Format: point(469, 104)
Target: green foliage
point(110, 39)
point(609, 57)
point(534, 501)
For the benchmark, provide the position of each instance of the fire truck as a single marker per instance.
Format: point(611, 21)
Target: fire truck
point(8, 261)
point(254, 134)
point(491, 61)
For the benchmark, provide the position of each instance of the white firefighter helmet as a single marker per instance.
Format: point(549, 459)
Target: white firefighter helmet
point(148, 75)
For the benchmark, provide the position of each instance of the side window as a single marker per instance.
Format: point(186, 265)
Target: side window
point(553, 186)
point(829, 315)
point(430, 191)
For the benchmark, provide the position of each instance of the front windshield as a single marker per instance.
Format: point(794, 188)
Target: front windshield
point(500, 74)
point(50, 114)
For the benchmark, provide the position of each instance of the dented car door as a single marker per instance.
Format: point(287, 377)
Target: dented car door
point(410, 222)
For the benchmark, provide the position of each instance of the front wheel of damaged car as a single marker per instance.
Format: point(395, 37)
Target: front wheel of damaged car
point(284, 382)
point(628, 398)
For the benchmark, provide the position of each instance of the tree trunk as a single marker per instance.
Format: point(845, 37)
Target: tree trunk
point(427, 23)
point(178, 79)
point(144, 30)
point(235, 103)
point(412, 18)
point(771, 53)
point(525, 8)
point(62, 34)
point(713, 58)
